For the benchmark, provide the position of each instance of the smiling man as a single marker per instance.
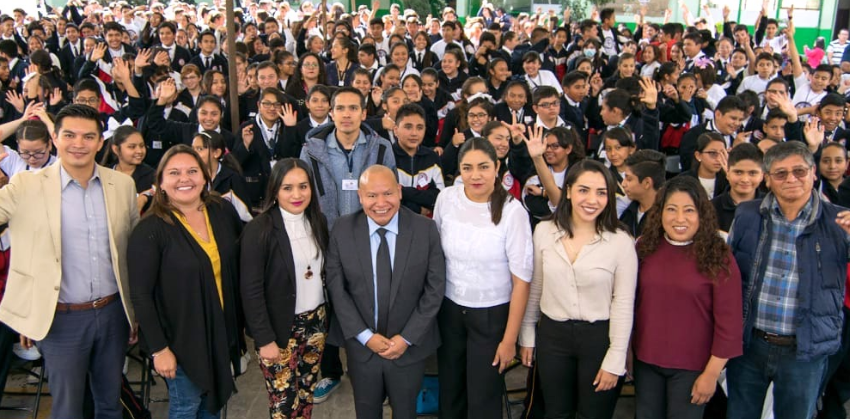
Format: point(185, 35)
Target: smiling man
point(386, 310)
point(75, 300)
point(792, 249)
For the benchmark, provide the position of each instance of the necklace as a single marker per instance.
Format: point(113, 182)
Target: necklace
point(308, 273)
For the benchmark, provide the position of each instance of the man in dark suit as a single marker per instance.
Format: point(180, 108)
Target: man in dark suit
point(207, 59)
point(386, 295)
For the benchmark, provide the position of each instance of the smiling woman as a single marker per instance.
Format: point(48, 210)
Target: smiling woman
point(184, 267)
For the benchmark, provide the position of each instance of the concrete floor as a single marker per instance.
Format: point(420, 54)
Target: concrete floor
point(252, 401)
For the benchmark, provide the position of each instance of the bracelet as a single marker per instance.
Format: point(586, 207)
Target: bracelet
point(158, 353)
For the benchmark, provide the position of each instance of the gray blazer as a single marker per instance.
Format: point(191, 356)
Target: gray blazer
point(418, 285)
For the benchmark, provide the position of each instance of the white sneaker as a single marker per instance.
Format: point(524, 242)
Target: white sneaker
point(33, 379)
point(244, 361)
point(31, 354)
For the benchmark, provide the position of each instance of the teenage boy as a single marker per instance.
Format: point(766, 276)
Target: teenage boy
point(419, 172)
point(574, 102)
point(744, 174)
point(808, 93)
point(728, 116)
point(644, 176)
point(208, 59)
point(764, 72)
point(547, 106)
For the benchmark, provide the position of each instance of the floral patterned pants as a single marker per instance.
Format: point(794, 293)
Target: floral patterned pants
point(291, 381)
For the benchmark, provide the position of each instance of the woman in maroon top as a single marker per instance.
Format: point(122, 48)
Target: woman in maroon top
point(688, 319)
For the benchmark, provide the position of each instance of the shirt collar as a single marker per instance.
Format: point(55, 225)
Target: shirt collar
point(807, 213)
point(315, 123)
point(391, 226)
point(217, 129)
point(571, 102)
point(559, 123)
point(332, 142)
point(65, 178)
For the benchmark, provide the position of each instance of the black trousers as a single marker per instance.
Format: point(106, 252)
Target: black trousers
point(569, 355)
point(470, 386)
point(836, 389)
point(8, 337)
point(331, 365)
point(665, 392)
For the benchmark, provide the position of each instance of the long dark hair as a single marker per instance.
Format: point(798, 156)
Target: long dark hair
point(119, 137)
point(499, 195)
point(607, 220)
point(161, 206)
point(710, 251)
point(318, 224)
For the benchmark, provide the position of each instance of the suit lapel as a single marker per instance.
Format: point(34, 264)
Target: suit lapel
point(363, 248)
point(402, 248)
point(283, 242)
point(52, 188)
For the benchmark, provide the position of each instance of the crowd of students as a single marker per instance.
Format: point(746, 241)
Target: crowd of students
point(654, 206)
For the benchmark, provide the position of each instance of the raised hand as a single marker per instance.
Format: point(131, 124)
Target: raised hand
point(670, 91)
point(98, 52)
point(56, 97)
point(287, 115)
point(726, 12)
point(143, 59)
point(32, 109)
point(596, 84)
point(167, 89)
point(742, 137)
point(458, 138)
point(649, 93)
point(247, 135)
point(16, 100)
point(120, 70)
point(161, 58)
point(813, 132)
point(535, 143)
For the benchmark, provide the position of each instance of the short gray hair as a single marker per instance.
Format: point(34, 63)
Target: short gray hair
point(785, 150)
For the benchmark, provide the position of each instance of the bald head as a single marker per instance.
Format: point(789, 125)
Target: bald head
point(377, 171)
point(380, 194)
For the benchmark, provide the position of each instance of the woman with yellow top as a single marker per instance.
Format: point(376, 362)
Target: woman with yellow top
point(183, 276)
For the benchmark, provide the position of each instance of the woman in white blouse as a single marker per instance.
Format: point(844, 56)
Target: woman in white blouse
point(486, 238)
point(585, 270)
point(282, 288)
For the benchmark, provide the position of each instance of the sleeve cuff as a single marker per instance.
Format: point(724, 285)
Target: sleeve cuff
point(364, 336)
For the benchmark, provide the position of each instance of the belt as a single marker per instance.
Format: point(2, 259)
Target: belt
point(774, 339)
point(91, 305)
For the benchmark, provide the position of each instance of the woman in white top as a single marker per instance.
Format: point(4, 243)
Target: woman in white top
point(537, 77)
point(585, 271)
point(486, 238)
point(282, 289)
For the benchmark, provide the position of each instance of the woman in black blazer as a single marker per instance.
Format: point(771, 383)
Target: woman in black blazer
point(282, 283)
point(183, 277)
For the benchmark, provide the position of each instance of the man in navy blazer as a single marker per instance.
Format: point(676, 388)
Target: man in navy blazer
point(386, 289)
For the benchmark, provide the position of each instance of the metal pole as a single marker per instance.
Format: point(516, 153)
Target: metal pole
point(233, 80)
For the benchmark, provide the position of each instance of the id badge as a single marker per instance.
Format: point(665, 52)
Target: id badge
point(157, 145)
point(349, 184)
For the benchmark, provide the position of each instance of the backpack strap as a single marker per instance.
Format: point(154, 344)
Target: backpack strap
point(382, 149)
point(318, 176)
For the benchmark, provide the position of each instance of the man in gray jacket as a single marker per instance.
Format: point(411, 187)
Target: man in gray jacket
point(338, 154)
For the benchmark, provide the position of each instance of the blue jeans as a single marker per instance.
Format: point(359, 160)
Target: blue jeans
point(796, 383)
point(87, 343)
point(185, 399)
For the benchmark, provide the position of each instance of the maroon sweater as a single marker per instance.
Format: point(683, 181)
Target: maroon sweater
point(681, 316)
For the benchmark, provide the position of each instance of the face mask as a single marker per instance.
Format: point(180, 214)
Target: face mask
point(590, 53)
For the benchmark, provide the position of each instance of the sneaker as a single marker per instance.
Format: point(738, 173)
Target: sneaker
point(324, 388)
point(33, 378)
point(244, 360)
point(31, 354)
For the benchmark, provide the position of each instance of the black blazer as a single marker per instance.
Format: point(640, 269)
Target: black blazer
point(418, 285)
point(720, 182)
point(177, 303)
point(256, 159)
point(217, 63)
point(66, 61)
point(268, 279)
point(182, 56)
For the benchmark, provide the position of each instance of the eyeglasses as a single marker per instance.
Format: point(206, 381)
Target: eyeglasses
point(310, 65)
point(712, 154)
point(798, 173)
point(84, 101)
point(482, 115)
point(549, 105)
point(26, 155)
point(553, 146)
point(270, 105)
